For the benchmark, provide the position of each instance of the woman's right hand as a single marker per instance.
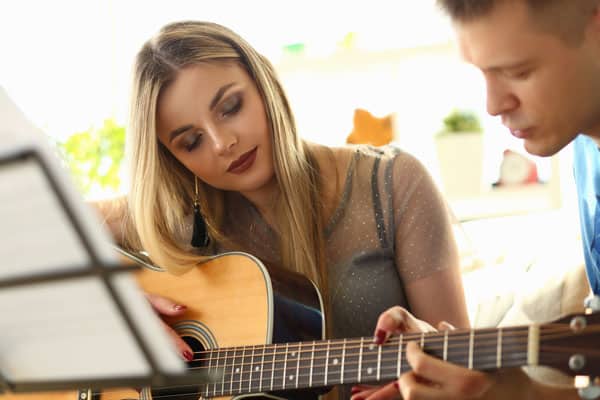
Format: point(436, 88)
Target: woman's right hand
point(167, 307)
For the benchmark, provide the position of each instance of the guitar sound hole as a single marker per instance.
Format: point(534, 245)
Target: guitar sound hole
point(198, 350)
point(189, 392)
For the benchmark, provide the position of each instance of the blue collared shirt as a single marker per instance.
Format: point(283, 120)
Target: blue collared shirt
point(587, 179)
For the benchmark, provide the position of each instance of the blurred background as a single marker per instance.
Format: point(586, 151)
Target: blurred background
point(67, 65)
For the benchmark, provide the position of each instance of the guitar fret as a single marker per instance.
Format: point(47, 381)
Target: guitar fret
point(343, 362)
point(262, 368)
point(379, 362)
point(218, 355)
point(273, 366)
point(399, 371)
point(360, 354)
point(233, 361)
point(445, 358)
point(242, 368)
point(210, 356)
point(251, 369)
point(471, 337)
point(312, 361)
point(327, 362)
point(499, 349)
point(285, 366)
point(533, 345)
point(319, 366)
point(224, 372)
point(334, 366)
point(298, 363)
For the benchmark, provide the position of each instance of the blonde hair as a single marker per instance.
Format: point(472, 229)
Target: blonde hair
point(162, 189)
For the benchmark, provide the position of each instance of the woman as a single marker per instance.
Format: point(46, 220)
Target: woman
point(211, 127)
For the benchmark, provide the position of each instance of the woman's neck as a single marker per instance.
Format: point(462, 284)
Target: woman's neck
point(264, 200)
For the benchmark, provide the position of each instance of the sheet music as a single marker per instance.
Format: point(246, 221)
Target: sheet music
point(60, 331)
point(33, 231)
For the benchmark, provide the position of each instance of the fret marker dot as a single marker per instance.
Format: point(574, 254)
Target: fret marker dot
point(237, 370)
point(371, 346)
point(369, 371)
point(291, 377)
point(257, 369)
point(293, 354)
point(335, 361)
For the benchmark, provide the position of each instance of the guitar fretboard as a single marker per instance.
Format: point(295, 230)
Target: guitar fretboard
point(287, 366)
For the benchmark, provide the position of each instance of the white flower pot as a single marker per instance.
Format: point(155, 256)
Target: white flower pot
point(460, 157)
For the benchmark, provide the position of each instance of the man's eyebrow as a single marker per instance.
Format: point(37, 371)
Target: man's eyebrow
point(508, 66)
point(179, 131)
point(220, 94)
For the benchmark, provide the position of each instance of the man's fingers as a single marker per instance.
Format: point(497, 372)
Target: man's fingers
point(387, 392)
point(361, 388)
point(452, 378)
point(165, 306)
point(412, 388)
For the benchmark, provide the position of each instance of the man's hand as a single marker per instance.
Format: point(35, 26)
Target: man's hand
point(432, 378)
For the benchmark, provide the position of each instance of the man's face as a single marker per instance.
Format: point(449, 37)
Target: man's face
point(545, 90)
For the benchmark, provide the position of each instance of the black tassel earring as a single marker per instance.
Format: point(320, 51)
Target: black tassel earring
point(200, 233)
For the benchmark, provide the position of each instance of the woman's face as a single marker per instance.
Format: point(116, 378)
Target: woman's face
point(213, 120)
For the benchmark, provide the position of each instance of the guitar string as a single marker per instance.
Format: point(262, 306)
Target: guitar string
point(253, 386)
point(372, 358)
point(386, 360)
point(432, 342)
point(482, 364)
point(429, 338)
point(334, 380)
point(487, 360)
point(478, 350)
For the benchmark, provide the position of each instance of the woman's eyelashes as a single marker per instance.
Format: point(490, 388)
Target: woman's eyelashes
point(191, 141)
point(231, 106)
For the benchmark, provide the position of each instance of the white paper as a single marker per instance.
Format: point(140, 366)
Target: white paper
point(60, 331)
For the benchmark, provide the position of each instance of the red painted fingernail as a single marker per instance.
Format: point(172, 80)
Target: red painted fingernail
point(188, 355)
point(380, 336)
point(397, 385)
point(179, 307)
point(354, 390)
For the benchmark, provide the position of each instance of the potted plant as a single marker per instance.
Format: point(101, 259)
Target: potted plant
point(459, 147)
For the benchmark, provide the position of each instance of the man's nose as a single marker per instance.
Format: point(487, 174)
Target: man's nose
point(500, 100)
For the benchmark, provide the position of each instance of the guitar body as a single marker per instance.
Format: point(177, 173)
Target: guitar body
point(232, 300)
point(235, 300)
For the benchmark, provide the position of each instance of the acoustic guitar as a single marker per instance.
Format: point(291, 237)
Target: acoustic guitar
point(261, 329)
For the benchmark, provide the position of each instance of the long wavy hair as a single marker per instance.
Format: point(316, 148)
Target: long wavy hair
point(162, 189)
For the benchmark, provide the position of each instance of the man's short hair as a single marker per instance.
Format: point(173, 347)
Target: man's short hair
point(566, 18)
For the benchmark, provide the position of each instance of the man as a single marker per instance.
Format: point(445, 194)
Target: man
point(541, 63)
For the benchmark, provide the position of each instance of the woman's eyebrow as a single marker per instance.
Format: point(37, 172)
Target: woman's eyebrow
point(219, 95)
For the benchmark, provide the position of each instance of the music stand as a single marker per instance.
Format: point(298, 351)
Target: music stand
point(73, 316)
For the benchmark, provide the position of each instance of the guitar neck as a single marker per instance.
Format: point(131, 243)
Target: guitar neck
point(302, 365)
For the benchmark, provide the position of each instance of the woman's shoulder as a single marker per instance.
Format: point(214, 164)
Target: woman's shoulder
point(341, 158)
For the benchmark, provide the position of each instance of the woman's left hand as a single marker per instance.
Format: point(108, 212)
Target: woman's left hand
point(395, 320)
